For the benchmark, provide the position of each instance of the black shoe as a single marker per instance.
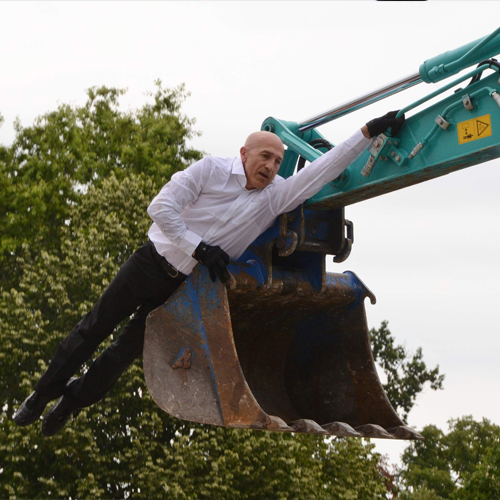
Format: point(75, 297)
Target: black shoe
point(57, 416)
point(31, 409)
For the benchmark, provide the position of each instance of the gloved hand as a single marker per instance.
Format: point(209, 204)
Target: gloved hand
point(380, 125)
point(215, 259)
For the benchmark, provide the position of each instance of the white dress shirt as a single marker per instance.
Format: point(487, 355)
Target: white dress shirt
point(208, 201)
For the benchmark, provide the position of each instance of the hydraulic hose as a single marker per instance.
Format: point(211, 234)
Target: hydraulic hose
point(490, 62)
point(316, 143)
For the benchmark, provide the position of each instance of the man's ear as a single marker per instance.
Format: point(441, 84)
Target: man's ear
point(243, 154)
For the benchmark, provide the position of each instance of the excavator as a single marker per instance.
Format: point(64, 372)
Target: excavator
point(284, 346)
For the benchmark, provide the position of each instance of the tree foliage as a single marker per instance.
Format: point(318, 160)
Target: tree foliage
point(463, 464)
point(51, 163)
point(75, 187)
point(406, 373)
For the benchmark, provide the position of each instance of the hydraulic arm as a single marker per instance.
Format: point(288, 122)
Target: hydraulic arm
point(456, 132)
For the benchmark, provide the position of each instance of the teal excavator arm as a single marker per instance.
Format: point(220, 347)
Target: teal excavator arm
point(285, 346)
point(459, 131)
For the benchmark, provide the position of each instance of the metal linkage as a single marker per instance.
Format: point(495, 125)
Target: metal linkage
point(383, 148)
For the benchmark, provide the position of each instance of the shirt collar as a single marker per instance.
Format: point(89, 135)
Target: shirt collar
point(238, 170)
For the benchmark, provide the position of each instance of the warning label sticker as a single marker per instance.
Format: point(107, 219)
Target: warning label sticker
point(473, 129)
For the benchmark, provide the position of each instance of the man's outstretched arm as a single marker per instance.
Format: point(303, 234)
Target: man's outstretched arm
point(298, 188)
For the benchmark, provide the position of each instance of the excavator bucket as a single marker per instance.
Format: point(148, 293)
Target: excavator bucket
point(258, 357)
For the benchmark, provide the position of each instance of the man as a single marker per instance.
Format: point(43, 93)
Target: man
point(206, 214)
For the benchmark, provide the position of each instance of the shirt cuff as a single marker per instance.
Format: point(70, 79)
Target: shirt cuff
point(189, 243)
point(361, 137)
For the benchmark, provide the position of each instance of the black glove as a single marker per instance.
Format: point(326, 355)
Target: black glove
point(380, 125)
point(215, 259)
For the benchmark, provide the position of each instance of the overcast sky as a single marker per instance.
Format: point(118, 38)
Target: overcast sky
point(429, 253)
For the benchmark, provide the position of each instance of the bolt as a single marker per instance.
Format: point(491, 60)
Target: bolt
point(398, 158)
point(393, 153)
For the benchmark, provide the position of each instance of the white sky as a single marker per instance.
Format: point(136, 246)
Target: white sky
point(429, 253)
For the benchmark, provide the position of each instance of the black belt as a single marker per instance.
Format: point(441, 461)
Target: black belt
point(169, 268)
point(165, 264)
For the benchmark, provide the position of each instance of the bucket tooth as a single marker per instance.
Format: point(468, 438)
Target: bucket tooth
point(374, 431)
point(307, 426)
point(404, 432)
point(341, 429)
point(277, 424)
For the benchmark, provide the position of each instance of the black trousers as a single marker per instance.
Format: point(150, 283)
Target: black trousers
point(142, 284)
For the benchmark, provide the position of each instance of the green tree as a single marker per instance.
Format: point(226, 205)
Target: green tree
point(427, 464)
point(420, 493)
point(483, 483)
point(52, 163)
point(406, 373)
point(462, 464)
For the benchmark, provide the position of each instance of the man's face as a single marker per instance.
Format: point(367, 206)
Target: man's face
point(261, 156)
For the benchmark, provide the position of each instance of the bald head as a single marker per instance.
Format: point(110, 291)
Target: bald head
point(262, 138)
point(261, 156)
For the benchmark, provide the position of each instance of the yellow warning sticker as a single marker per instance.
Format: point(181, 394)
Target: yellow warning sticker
point(473, 129)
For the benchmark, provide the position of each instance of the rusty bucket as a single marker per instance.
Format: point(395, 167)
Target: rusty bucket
point(266, 356)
